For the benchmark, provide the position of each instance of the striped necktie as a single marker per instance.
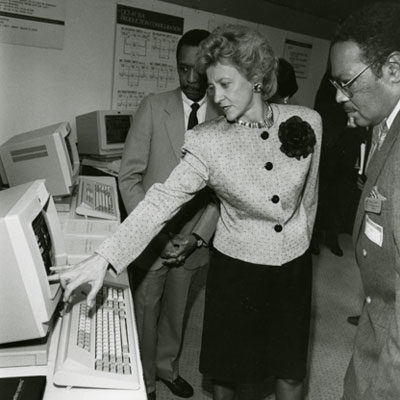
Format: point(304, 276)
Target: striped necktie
point(383, 130)
point(378, 136)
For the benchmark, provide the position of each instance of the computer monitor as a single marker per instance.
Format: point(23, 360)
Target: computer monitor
point(48, 153)
point(103, 133)
point(31, 242)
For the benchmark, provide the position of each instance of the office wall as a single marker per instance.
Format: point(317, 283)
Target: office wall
point(41, 86)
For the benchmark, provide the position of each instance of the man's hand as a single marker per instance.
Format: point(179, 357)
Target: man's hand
point(92, 271)
point(182, 246)
point(169, 249)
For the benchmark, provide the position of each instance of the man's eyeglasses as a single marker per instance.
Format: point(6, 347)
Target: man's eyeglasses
point(345, 87)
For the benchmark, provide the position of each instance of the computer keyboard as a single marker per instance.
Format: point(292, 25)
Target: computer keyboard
point(98, 347)
point(97, 199)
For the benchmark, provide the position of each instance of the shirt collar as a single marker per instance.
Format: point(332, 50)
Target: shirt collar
point(189, 102)
point(392, 115)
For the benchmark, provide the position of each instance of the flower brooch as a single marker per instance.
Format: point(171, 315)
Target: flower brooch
point(297, 138)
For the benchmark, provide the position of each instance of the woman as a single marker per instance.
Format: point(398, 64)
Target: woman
point(262, 161)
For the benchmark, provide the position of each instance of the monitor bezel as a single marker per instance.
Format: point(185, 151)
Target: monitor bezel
point(102, 132)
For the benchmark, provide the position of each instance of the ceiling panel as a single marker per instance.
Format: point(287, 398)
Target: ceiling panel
point(334, 10)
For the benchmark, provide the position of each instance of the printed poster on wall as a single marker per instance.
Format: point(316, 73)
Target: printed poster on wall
point(298, 54)
point(33, 22)
point(145, 61)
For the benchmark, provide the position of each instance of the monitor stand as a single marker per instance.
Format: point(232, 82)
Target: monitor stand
point(25, 353)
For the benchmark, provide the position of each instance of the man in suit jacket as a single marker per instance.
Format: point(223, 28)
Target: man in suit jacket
point(365, 60)
point(161, 283)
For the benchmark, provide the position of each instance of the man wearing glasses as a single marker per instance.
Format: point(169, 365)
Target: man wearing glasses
point(365, 68)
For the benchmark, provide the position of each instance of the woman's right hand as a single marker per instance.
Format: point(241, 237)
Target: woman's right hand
point(91, 271)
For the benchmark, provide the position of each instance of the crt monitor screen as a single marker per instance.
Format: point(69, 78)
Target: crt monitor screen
point(117, 127)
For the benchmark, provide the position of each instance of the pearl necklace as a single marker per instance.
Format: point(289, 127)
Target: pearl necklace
point(267, 123)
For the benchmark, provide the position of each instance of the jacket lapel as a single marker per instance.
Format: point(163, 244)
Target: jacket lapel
point(374, 169)
point(175, 122)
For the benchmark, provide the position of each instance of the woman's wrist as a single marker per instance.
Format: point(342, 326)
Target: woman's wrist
point(101, 261)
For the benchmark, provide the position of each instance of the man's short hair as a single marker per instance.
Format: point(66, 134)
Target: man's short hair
point(191, 38)
point(375, 28)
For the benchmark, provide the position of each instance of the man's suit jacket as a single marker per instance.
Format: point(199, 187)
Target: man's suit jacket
point(374, 371)
point(152, 150)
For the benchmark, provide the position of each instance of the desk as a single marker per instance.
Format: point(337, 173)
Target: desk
point(53, 392)
point(80, 246)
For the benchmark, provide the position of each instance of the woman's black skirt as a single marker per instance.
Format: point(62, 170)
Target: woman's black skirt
point(256, 319)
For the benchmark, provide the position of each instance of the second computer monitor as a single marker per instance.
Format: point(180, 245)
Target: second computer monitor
point(48, 153)
point(102, 133)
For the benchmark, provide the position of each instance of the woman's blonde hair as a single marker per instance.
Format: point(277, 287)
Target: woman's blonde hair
point(244, 48)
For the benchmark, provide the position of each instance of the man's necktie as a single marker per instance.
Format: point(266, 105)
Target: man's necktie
point(365, 148)
point(193, 121)
point(378, 136)
point(383, 130)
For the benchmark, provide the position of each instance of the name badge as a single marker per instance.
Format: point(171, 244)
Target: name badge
point(373, 205)
point(373, 231)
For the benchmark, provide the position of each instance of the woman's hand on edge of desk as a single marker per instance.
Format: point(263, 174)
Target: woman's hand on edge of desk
point(91, 271)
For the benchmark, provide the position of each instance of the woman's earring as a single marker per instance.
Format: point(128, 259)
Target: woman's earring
point(257, 88)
